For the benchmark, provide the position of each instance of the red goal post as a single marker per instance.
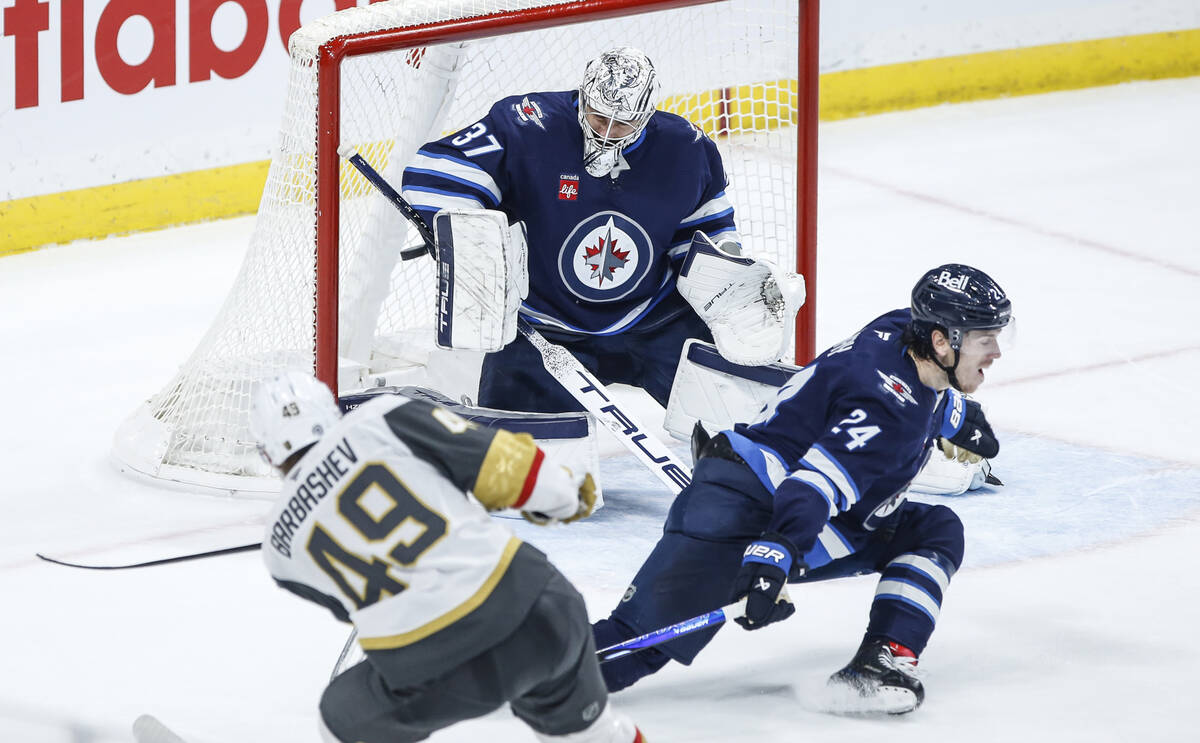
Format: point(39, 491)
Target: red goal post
point(321, 287)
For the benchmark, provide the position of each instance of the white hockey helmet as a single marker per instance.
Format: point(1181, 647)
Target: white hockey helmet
point(290, 412)
point(619, 91)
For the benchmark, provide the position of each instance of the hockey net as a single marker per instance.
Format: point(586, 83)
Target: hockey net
point(322, 285)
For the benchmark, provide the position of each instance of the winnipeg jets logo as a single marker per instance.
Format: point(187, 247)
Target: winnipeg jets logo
point(605, 257)
point(529, 112)
point(897, 387)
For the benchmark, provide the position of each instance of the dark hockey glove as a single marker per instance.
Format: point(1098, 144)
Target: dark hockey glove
point(966, 434)
point(766, 565)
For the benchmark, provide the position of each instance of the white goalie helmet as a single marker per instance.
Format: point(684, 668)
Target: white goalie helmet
point(616, 100)
point(289, 412)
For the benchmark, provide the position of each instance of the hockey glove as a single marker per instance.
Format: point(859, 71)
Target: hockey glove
point(766, 565)
point(567, 512)
point(966, 434)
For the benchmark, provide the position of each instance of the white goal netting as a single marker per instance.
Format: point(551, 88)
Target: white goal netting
point(730, 67)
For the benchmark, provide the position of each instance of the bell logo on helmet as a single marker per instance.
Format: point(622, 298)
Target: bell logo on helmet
point(957, 283)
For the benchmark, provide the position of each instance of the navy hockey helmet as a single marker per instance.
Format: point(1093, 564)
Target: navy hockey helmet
point(956, 298)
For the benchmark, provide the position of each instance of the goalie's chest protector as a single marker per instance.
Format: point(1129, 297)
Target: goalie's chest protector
point(365, 521)
point(598, 247)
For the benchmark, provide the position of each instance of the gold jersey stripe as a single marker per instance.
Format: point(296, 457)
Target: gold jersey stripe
point(392, 642)
point(505, 469)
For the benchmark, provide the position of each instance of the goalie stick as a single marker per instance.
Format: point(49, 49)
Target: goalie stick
point(559, 362)
point(352, 655)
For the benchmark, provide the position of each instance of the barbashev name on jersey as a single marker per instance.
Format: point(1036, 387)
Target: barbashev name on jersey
point(315, 484)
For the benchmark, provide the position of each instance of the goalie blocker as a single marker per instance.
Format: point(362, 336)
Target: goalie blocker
point(716, 393)
point(482, 278)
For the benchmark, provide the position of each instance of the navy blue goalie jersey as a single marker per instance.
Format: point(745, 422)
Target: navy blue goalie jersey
point(843, 437)
point(602, 251)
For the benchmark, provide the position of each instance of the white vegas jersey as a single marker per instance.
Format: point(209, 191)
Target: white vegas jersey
point(376, 523)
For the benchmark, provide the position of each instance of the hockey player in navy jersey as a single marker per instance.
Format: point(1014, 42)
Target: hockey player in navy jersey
point(618, 202)
point(814, 488)
point(383, 520)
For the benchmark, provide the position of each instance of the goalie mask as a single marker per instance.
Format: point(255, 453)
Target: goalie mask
point(616, 101)
point(290, 412)
point(957, 299)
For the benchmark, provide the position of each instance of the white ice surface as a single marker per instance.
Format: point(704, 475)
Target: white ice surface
point(1073, 618)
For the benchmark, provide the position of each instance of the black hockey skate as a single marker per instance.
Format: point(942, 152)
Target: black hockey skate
point(882, 678)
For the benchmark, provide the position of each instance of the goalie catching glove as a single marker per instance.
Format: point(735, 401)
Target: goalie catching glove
point(749, 305)
point(482, 278)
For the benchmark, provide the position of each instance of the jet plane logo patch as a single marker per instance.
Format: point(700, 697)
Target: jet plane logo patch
point(605, 257)
point(529, 112)
point(898, 388)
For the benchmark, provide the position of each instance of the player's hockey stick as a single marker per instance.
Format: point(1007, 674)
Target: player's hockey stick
point(352, 654)
point(670, 632)
point(148, 729)
point(560, 362)
point(161, 561)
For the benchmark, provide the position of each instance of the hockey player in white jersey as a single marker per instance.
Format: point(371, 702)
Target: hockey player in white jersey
point(383, 520)
point(632, 246)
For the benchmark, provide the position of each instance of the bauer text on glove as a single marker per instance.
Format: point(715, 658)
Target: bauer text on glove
point(966, 434)
point(766, 565)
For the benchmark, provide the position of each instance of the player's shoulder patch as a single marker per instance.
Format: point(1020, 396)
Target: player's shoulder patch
point(528, 111)
point(536, 111)
point(896, 387)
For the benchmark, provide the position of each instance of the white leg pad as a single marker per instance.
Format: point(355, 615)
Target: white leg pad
point(944, 476)
point(718, 393)
point(568, 438)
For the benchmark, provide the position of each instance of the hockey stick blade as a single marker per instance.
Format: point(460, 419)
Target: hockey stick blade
point(670, 632)
point(150, 563)
point(148, 729)
point(559, 362)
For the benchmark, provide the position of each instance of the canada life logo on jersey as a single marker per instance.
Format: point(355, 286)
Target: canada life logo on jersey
point(568, 187)
point(605, 257)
